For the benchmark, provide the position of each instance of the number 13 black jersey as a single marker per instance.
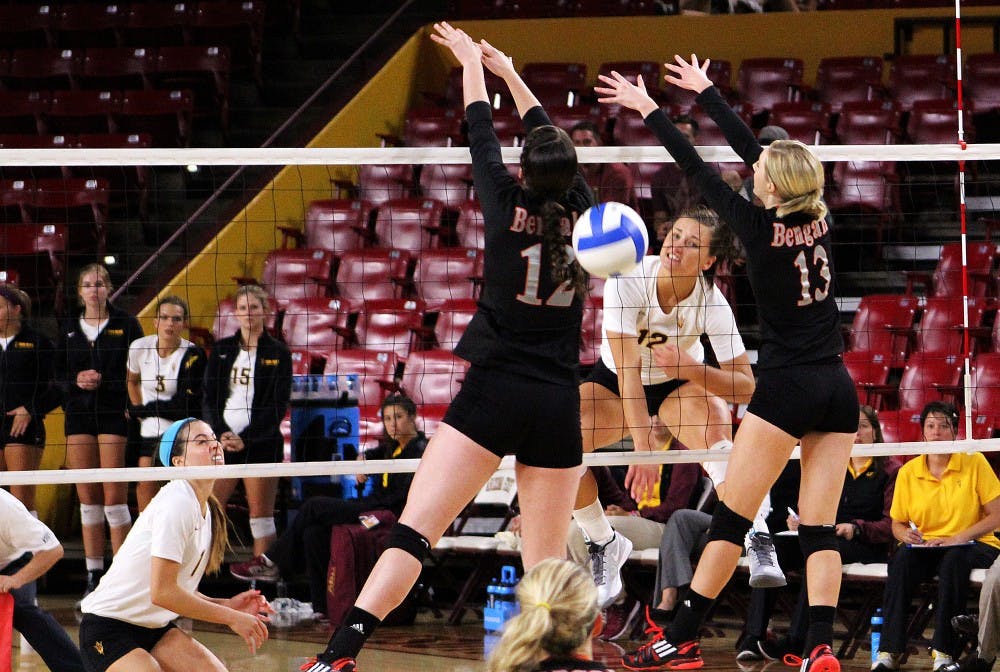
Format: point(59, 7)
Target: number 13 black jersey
point(527, 323)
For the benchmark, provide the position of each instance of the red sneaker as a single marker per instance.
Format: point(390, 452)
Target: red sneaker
point(339, 665)
point(820, 660)
point(660, 654)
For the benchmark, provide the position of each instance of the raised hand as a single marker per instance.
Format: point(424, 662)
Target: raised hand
point(497, 62)
point(457, 40)
point(622, 92)
point(690, 76)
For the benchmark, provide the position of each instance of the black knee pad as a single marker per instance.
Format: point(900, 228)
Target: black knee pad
point(816, 538)
point(727, 525)
point(407, 539)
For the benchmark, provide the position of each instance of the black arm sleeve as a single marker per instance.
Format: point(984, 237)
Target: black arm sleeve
point(738, 134)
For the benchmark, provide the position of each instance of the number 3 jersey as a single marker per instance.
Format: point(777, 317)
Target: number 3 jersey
point(631, 308)
point(527, 323)
point(158, 378)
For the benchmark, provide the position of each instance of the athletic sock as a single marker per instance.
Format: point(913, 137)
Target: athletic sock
point(690, 613)
point(350, 637)
point(760, 520)
point(594, 523)
point(820, 627)
point(662, 617)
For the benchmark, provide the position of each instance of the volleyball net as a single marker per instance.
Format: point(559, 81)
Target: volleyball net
point(373, 261)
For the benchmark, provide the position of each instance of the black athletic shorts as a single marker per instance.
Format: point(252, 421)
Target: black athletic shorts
point(257, 452)
point(84, 417)
point(655, 394)
point(807, 398)
point(34, 433)
point(104, 640)
point(150, 447)
point(538, 422)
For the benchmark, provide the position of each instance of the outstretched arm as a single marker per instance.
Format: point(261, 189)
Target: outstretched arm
point(469, 56)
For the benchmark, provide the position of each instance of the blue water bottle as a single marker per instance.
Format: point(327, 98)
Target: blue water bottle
point(876, 633)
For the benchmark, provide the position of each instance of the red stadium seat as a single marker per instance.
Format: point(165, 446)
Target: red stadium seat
point(127, 185)
point(567, 117)
point(496, 90)
point(448, 273)
point(926, 378)
point(33, 141)
point(940, 329)
point(650, 71)
point(432, 127)
point(165, 115)
point(376, 373)
point(868, 123)
point(920, 77)
point(202, 70)
point(845, 79)
point(901, 426)
point(935, 122)
point(392, 325)
point(39, 69)
point(296, 274)
point(986, 394)
point(78, 25)
point(469, 227)
point(317, 324)
point(453, 317)
point(884, 324)
point(408, 223)
point(762, 82)
point(630, 130)
point(869, 189)
point(371, 274)
point(24, 111)
point(946, 280)
point(377, 183)
point(236, 24)
point(12, 276)
point(433, 376)
point(151, 24)
point(805, 121)
point(981, 81)
point(81, 203)
point(82, 112)
point(446, 182)
point(117, 68)
point(590, 332)
point(36, 254)
point(26, 25)
point(336, 224)
point(868, 370)
point(556, 83)
point(509, 128)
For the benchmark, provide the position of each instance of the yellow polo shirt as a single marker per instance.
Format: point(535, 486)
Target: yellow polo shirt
point(942, 508)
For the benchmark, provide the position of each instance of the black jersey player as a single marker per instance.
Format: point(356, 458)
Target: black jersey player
point(803, 394)
point(521, 393)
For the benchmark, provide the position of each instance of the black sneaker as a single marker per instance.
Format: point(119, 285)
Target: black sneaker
point(660, 654)
point(339, 665)
point(749, 649)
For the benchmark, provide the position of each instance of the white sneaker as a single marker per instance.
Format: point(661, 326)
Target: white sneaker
point(606, 564)
point(764, 569)
point(885, 662)
point(940, 659)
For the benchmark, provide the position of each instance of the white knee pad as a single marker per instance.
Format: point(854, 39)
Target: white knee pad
point(263, 527)
point(117, 515)
point(92, 515)
point(717, 470)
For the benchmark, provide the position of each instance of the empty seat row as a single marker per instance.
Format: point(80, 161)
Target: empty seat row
point(81, 204)
point(165, 115)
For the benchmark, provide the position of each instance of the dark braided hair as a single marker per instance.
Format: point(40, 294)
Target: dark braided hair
point(548, 162)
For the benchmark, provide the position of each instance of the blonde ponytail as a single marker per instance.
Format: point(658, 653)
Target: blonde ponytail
point(558, 609)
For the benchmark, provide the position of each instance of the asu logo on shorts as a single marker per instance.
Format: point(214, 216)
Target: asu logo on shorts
point(99, 647)
point(269, 362)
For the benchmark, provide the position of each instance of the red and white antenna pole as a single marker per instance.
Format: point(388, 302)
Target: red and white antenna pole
point(967, 378)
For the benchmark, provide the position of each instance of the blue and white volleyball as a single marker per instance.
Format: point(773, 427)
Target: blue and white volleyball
point(609, 239)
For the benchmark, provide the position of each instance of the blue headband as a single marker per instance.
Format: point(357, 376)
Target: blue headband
point(168, 439)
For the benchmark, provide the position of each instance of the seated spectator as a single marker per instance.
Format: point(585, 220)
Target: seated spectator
point(306, 542)
point(986, 627)
point(944, 512)
point(28, 549)
point(559, 617)
point(608, 181)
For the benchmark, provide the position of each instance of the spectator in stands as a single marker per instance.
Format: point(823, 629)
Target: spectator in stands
point(27, 391)
point(559, 617)
point(864, 527)
point(986, 626)
point(306, 542)
point(165, 376)
point(944, 512)
point(91, 367)
point(248, 384)
point(608, 181)
point(28, 549)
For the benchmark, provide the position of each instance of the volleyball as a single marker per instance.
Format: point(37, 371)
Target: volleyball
point(610, 239)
